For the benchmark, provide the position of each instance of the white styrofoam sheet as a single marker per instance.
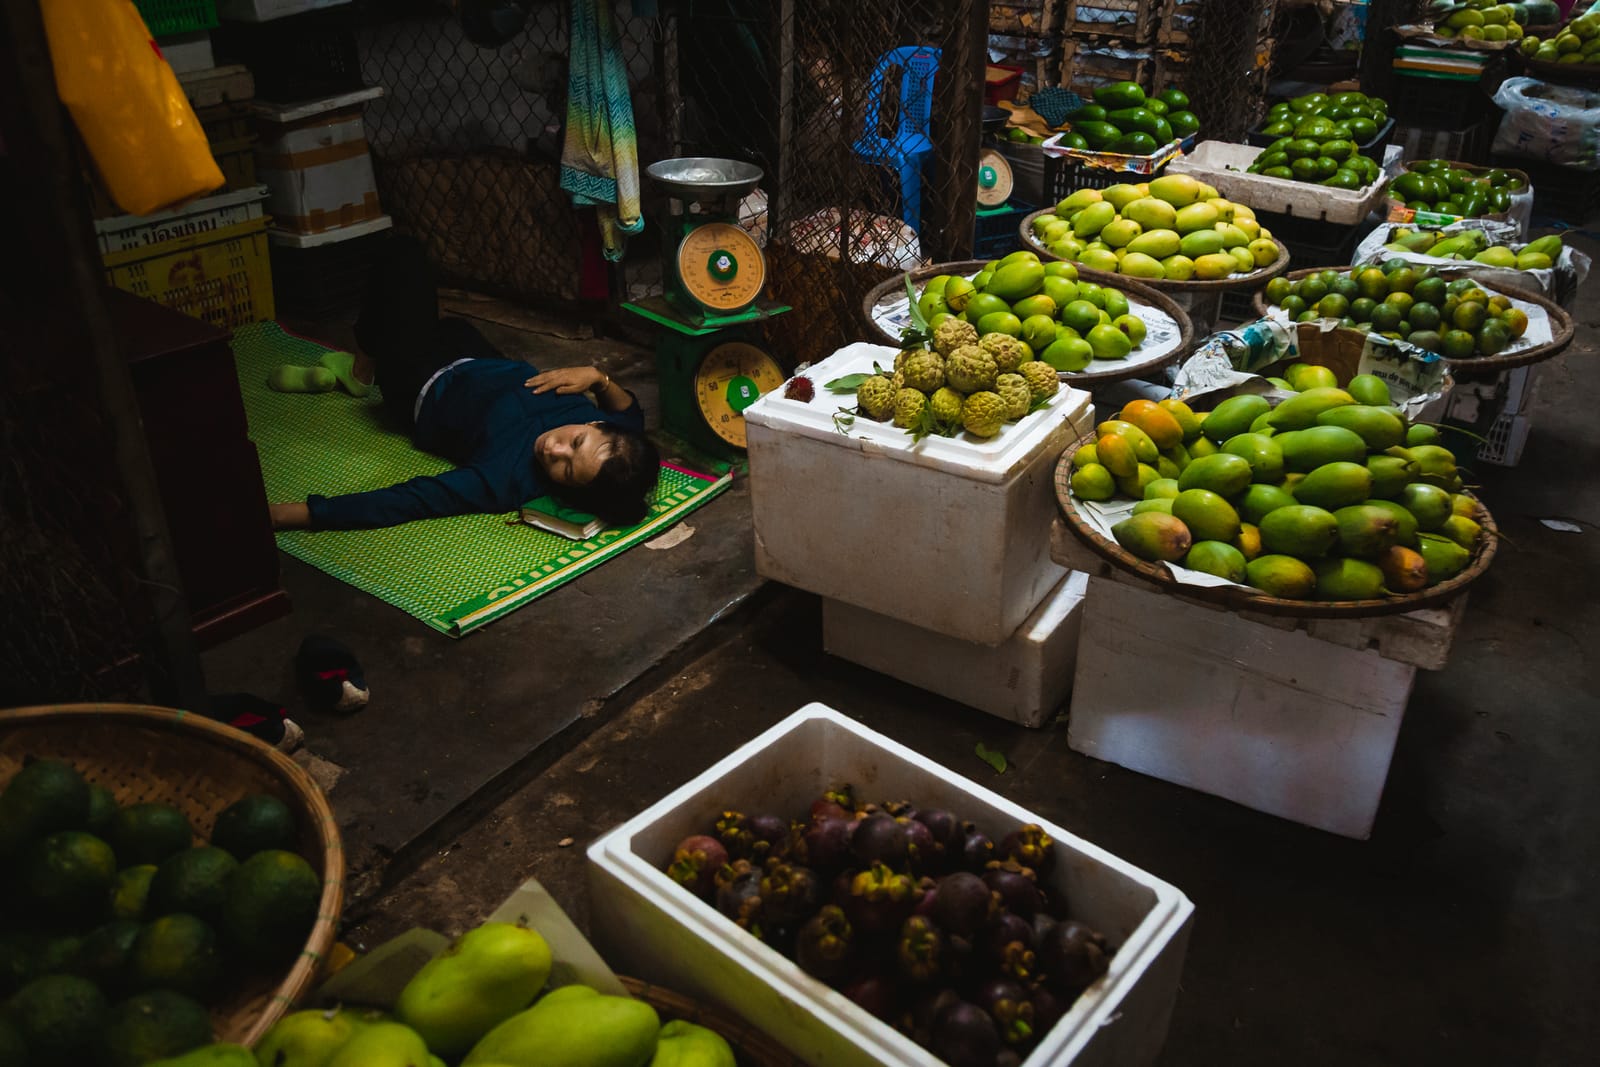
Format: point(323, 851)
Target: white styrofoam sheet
point(266, 10)
point(661, 931)
point(1539, 331)
point(1571, 267)
point(329, 237)
point(1223, 166)
point(993, 459)
point(1162, 334)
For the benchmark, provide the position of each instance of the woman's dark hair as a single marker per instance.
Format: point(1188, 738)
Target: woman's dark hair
point(620, 491)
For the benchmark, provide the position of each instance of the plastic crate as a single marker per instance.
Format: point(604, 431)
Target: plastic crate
point(995, 232)
point(1082, 170)
point(222, 276)
point(165, 17)
point(308, 56)
point(1313, 242)
point(231, 131)
point(1505, 440)
point(1439, 102)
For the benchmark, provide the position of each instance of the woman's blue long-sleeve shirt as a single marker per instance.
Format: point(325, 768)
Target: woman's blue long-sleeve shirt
point(480, 416)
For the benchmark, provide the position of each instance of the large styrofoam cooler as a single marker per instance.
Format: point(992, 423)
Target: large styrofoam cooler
point(1025, 678)
point(314, 157)
point(950, 534)
point(1222, 166)
point(658, 930)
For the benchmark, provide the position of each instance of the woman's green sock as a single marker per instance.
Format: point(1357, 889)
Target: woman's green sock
point(342, 364)
point(292, 378)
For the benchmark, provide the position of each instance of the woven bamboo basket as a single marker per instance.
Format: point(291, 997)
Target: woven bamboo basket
point(751, 1047)
point(1232, 283)
point(1561, 329)
point(148, 754)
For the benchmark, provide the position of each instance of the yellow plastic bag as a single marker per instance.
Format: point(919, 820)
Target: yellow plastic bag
point(130, 109)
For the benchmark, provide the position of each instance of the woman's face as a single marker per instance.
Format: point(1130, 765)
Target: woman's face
point(572, 455)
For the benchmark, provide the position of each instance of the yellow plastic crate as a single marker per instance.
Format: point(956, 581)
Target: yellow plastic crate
point(222, 276)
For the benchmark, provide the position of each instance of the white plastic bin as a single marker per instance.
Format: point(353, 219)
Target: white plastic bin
point(1025, 678)
point(1222, 166)
point(949, 534)
point(314, 158)
point(658, 930)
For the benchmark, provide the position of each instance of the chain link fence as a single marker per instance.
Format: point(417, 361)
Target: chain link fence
point(467, 139)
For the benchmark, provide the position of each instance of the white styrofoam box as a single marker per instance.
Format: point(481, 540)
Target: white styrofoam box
point(1024, 679)
point(1273, 719)
point(951, 534)
point(123, 232)
point(314, 158)
point(658, 930)
point(329, 237)
point(267, 10)
point(1222, 166)
point(186, 53)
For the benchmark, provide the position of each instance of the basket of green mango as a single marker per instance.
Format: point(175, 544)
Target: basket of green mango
point(1442, 190)
point(1320, 499)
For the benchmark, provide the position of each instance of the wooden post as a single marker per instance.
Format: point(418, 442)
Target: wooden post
point(949, 202)
point(66, 279)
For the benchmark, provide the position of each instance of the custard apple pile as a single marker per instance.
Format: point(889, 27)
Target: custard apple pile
point(975, 387)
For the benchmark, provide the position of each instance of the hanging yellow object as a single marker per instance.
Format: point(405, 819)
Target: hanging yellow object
point(128, 105)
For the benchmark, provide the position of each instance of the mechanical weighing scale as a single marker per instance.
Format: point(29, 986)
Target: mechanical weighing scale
point(708, 354)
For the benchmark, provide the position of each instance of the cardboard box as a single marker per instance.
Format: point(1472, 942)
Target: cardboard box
point(314, 159)
point(658, 930)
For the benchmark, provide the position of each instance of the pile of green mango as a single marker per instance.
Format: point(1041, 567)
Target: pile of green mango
point(479, 1004)
point(1449, 188)
point(1473, 245)
point(1319, 139)
point(1123, 119)
point(1330, 494)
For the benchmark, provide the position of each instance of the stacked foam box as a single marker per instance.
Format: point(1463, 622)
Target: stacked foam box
point(933, 556)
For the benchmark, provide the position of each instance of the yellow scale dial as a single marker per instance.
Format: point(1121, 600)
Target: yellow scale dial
point(721, 267)
point(731, 378)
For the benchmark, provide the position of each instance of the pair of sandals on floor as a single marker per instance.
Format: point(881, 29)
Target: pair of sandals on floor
point(329, 678)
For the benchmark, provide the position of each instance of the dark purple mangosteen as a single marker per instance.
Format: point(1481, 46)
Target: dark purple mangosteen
point(976, 849)
point(879, 899)
point(1009, 945)
point(965, 905)
point(1030, 846)
point(1047, 1008)
point(827, 844)
point(1010, 1005)
point(739, 895)
point(879, 838)
point(824, 809)
point(926, 1012)
point(900, 809)
point(944, 826)
point(922, 851)
point(1072, 957)
point(965, 1036)
point(920, 949)
point(788, 893)
point(878, 995)
point(825, 944)
point(1017, 887)
point(695, 863)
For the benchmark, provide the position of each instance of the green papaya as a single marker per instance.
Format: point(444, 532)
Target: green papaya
point(1335, 485)
point(1306, 450)
point(683, 1044)
point(212, 1056)
point(1131, 119)
point(1119, 95)
point(488, 975)
point(310, 1038)
point(383, 1044)
point(573, 1026)
point(1348, 579)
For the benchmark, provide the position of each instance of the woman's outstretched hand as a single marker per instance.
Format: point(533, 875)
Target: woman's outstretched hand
point(566, 380)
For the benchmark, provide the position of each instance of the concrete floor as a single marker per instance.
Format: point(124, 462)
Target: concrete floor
point(1464, 932)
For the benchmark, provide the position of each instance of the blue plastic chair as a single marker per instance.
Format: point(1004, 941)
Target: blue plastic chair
point(909, 145)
